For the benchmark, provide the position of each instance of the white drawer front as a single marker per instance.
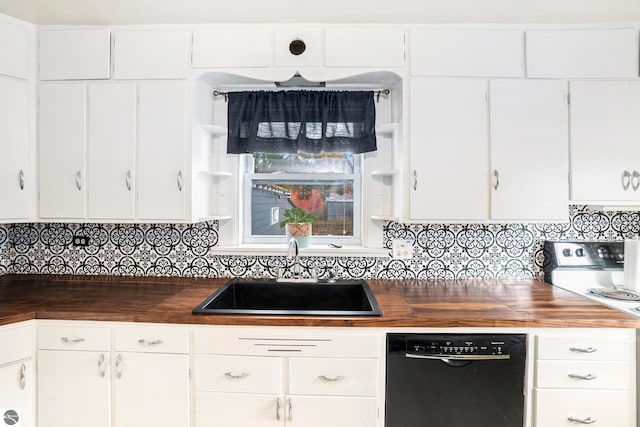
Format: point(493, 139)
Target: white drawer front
point(333, 377)
point(555, 408)
point(73, 338)
point(583, 348)
point(152, 340)
point(286, 343)
point(238, 374)
point(16, 344)
point(580, 374)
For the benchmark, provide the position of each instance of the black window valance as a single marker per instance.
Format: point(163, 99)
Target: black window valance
point(301, 120)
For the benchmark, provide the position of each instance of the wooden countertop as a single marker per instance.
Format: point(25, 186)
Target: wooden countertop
point(404, 303)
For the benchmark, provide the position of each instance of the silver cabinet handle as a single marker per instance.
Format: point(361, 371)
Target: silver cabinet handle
point(127, 180)
point(79, 180)
point(496, 175)
point(290, 418)
point(278, 406)
point(583, 350)
point(101, 370)
point(179, 180)
point(588, 420)
point(328, 379)
point(635, 180)
point(239, 376)
point(151, 342)
point(626, 180)
point(415, 179)
point(21, 179)
point(71, 340)
point(23, 376)
point(583, 377)
point(118, 362)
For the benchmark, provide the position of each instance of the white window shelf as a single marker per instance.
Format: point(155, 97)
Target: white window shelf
point(218, 174)
point(215, 130)
point(386, 130)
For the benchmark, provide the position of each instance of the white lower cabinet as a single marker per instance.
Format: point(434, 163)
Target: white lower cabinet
point(141, 380)
point(300, 385)
point(17, 377)
point(585, 377)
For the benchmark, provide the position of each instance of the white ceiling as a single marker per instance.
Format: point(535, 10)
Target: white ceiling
point(102, 12)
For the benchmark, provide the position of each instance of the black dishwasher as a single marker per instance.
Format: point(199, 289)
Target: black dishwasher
point(455, 380)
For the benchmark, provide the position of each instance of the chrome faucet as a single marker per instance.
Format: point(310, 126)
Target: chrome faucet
point(293, 252)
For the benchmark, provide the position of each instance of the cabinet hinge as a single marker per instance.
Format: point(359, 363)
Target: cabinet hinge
point(569, 175)
point(568, 99)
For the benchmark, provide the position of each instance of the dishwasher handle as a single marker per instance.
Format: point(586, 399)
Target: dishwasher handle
point(460, 357)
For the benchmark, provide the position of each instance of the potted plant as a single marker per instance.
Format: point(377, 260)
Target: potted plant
point(297, 223)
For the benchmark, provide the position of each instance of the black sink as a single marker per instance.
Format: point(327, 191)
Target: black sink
point(268, 297)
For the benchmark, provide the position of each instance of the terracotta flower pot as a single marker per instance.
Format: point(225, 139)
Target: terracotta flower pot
point(301, 231)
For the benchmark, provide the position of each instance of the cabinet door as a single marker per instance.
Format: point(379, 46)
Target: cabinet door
point(151, 390)
point(364, 47)
point(14, 129)
point(232, 47)
point(609, 408)
point(603, 151)
point(73, 389)
point(582, 53)
point(75, 54)
point(62, 150)
point(112, 133)
point(449, 149)
point(338, 411)
point(529, 150)
point(16, 391)
point(238, 409)
point(14, 50)
point(150, 54)
point(162, 125)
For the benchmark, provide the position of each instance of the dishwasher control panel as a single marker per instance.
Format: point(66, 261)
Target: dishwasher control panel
point(458, 344)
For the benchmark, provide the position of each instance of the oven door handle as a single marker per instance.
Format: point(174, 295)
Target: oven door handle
point(460, 357)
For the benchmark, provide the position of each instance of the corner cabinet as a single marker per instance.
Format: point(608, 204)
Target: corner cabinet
point(293, 377)
point(17, 376)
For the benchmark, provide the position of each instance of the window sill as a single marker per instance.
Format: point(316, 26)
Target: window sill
point(313, 250)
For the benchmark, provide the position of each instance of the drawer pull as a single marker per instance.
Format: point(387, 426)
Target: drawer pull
point(231, 376)
point(583, 377)
point(588, 420)
point(101, 366)
point(328, 379)
point(71, 340)
point(152, 342)
point(583, 350)
point(278, 407)
point(118, 363)
point(290, 410)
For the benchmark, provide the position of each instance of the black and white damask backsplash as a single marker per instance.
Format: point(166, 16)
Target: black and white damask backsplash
point(443, 251)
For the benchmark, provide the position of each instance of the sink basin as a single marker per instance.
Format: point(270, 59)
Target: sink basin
point(268, 297)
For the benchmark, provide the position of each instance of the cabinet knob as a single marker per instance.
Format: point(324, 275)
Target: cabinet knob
point(118, 363)
point(496, 182)
point(127, 180)
point(583, 377)
point(415, 179)
point(583, 350)
point(626, 180)
point(588, 420)
point(179, 179)
point(23, 376)
point(101, 370)
point(635, 180)
point(79, 180)
point(329, 379)
point(21, 179)
point(278, 406)
point(68, 340)
point(239, 376)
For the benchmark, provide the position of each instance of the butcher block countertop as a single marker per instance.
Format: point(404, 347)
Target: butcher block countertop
point(404, 303)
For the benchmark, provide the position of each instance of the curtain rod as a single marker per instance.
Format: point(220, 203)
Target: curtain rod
point(378, 93)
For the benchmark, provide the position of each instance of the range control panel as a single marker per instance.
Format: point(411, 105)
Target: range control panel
point(589, 254)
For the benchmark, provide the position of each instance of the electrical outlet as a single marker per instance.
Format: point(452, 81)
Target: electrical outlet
point(82, 241)
point(402, 248)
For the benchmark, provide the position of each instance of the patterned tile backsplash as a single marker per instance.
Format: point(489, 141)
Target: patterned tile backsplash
point(506, 251)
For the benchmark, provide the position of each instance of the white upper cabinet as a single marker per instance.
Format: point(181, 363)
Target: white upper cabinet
point(466, 52)
point(162, 146)
point(588, 53)
point(75, 54)
point(151, 54)
point(62, 144)
point(16, 178)
point(14, 50)
point(112, 138)
point(449, 149)
point(232, 47)
point(605, 135)
point(529, 150)
point(364, 47)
